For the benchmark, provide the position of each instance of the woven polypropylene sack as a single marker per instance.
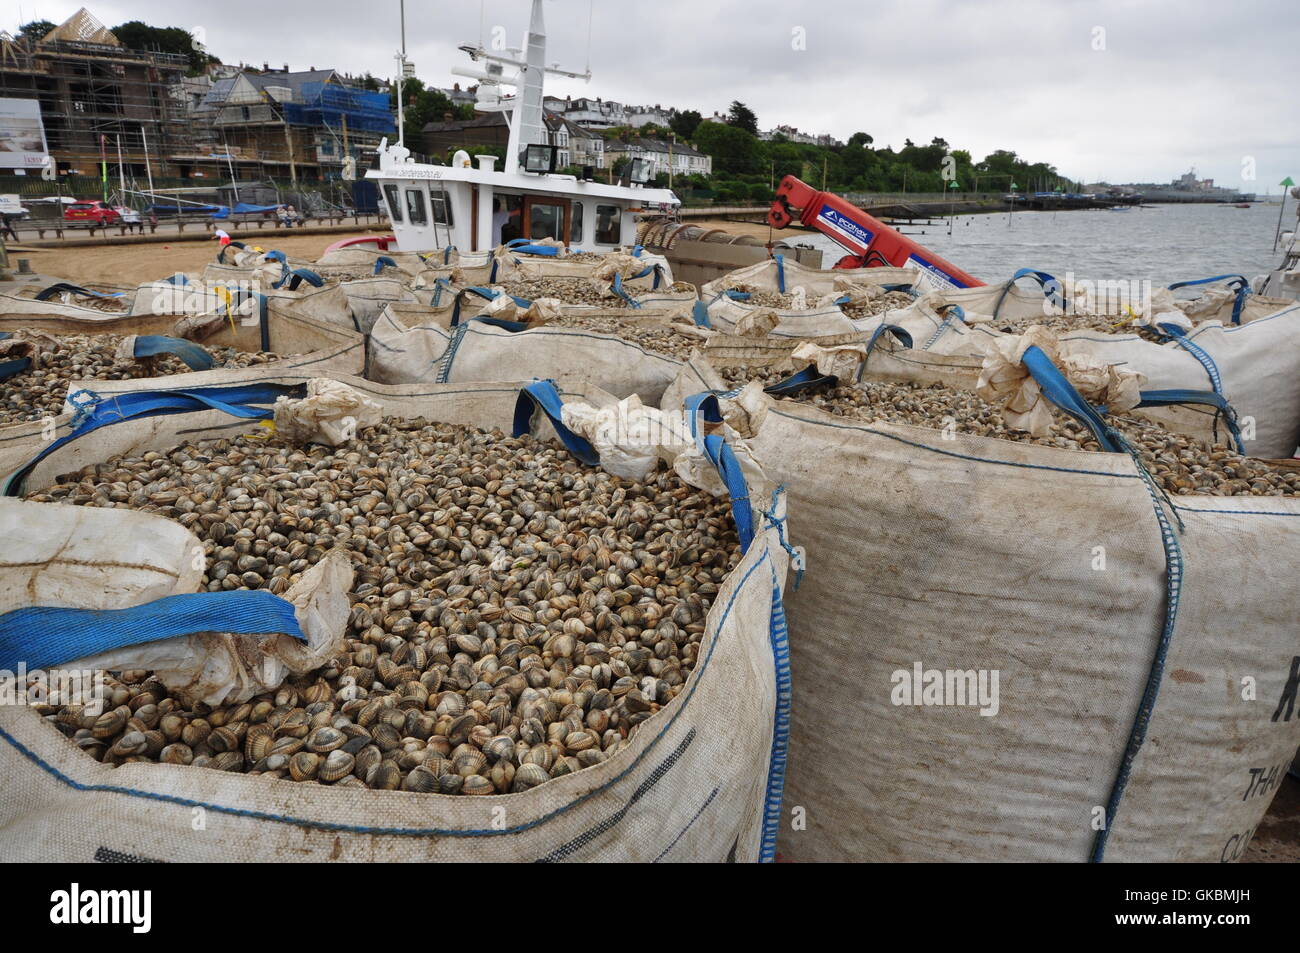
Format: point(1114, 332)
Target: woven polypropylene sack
point(701, 780)
point(435, 352)
point(1049, 567)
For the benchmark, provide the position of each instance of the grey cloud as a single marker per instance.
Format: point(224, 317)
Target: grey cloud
point(1178, 82)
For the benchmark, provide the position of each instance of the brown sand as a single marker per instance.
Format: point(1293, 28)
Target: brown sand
point(134, 264)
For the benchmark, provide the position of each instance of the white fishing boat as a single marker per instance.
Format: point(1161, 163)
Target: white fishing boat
point(477, 207)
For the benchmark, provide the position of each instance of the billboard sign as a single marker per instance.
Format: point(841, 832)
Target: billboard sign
point(22, 135)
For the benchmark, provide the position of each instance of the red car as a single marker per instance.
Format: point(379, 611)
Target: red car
point(91, 210)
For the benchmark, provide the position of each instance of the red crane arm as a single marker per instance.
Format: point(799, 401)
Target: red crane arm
point(868, 241)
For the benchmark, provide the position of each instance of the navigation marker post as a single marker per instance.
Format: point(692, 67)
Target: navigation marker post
point(1277, 235)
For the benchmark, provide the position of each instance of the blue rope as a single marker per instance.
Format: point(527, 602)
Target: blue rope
point(778, 523)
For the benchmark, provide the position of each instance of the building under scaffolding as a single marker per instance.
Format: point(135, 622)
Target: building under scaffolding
point(98, 98)
point(290, 125)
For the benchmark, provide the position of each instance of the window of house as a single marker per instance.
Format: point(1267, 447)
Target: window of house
point(575, 226)
point(608, 229)
point(416, 213)
point(394, 204)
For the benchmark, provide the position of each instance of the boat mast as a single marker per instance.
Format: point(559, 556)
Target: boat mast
point(527, 125)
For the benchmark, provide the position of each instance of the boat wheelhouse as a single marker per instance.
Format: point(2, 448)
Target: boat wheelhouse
point(476, 208)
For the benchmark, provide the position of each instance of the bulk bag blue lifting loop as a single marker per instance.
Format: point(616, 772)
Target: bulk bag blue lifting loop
point(238, 401)
point(42, 637)
point(194, 356)
point(1238, 283)
point(1051, 288)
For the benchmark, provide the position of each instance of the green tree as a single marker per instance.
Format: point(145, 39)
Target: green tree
point(36, 29)
point(860, 140)
point(685, 123)
point(733, 149)
point(423, 105)
point(137, 35)
point(742, 117)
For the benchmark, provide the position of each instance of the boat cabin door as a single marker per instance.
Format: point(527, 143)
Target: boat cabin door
point(546, 216)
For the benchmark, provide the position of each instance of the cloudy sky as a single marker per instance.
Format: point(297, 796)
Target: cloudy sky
point(1121, 90)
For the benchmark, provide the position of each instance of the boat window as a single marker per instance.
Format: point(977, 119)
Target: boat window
point(608, 230)
point(545, 221)
point(575, 226)
point(441, 203)
point(415, 210)
point(394, 203)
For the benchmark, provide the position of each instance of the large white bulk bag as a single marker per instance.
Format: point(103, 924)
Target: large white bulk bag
point(1111, 630)
point(700, 781)
point(474, 350)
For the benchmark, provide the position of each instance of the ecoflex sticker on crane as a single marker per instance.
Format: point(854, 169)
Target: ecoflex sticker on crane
point(857, 236)
point(933, 276)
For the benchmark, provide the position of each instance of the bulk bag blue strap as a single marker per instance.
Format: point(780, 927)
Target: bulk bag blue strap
point(276, 255)
point(956, 314)
point(176, 279)
point(512, 326)
point(780, 272)
point(1061, 392)
point(459, 330)
point(488, 295)
point(1179, 336)
point(12, 368)
point(737, 295)
point(700, 314)
point(41, 637)
point(297, 276)
point(617, 287)
point(382, 262)
point(446, 254)
point(656, 270)
point(1165, 398)
point(706, 407)
point(438, 285)
point(724, 459)
point(905, 287)
point(221, 255)
point(548, 251)
point(800, 381)
point(900, 335)
point(99, 412)
point(1051, 288)
point(195, 357)
point(542, 395)
point(1238, 282)
point(61, 287)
